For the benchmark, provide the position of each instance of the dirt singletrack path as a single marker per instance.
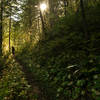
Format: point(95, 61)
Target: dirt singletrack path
point(35, 89)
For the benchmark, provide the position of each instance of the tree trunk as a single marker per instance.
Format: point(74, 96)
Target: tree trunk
point(1, 21)
point(51, 11)
point(10, 28)
point(65, 6)
point(85, 25)
point(43, 25)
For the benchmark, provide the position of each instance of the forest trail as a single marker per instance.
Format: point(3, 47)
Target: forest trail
point(35, 89)
point(17, 83)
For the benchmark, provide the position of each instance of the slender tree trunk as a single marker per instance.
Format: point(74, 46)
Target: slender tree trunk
point(85, 25)
point(43, 25)
point(51, 11)
point(1, 21)
point(38, 25)
point(65, 6)
point(10, 28)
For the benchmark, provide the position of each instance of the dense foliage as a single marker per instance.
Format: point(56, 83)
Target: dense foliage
point(55, 51)
point(13, 82)
point(66, 64)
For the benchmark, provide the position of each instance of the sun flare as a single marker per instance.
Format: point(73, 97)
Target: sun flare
point(43, 6)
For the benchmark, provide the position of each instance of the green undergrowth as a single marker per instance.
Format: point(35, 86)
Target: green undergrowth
point(66, 65)
point(13, 84)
